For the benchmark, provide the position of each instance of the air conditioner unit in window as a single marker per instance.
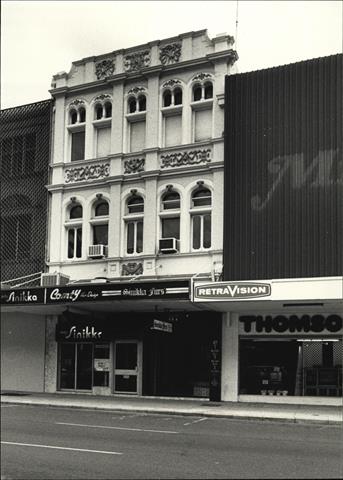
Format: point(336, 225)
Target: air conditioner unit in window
point(52, 279)
point(97, 251)
point(169, 245)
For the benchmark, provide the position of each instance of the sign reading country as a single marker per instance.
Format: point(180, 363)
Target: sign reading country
point(228, 291)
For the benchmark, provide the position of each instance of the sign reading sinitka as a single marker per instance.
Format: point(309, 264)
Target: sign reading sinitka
point(230, 291)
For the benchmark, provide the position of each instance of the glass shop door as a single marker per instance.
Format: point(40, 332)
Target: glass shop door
point(128, 366)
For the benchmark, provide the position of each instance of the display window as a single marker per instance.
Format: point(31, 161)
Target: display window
point(289, 366)
point(83, 366)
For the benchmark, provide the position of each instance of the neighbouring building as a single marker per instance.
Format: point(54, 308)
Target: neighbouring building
point(136, 209)
point(282, 289)
point(25, 134)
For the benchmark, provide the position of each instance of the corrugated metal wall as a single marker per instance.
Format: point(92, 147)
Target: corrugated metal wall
point(284, 171)
point(25, 134)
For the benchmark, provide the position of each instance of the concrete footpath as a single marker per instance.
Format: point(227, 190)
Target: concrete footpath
point(196, 407)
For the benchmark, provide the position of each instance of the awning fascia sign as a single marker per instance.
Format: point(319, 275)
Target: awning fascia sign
point(284, 290)
point(89, 293)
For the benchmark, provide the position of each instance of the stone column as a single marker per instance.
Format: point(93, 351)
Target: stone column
point(230, 344)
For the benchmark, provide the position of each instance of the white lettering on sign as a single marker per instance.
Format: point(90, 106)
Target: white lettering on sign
point(21, 297)
point(72, 296)
point(85, 334)
point(233, 290)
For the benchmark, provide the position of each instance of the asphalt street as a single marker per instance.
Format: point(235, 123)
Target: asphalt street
point(70, 443)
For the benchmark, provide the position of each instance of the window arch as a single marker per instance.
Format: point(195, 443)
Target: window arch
point(99, 222)
point(136, 104)
point(75, 211)
point(76, 112)
point(134, 223)
point(170, 200)
point(170, 218)
point(102, 107)
point(101, 208)
point(201, 217)
point(202, 87)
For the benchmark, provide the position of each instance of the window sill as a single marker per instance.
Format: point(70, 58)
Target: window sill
point(172, 110)
point(135, 117)
point(77, 127)
point(102, 122)
point(202, 104)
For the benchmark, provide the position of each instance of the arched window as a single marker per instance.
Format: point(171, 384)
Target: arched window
point(142, 103)
point(73, 116)
point(75, 212)
point(101, 208)
point(170, 200)
point(82, 114)
point(99, 226)
point(197, 92)
point(208, 90)
point(74, 231)
point(98, 111)
point(132, 104)
point(134, 224)
point(167, 98)
point(177, 96)
point(170, 220)
point(201, 201)
point(108, 110)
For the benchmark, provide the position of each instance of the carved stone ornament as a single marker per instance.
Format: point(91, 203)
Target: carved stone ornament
point(77, 102)
point(104, 69)
point(136, 90)
point(170, 53)
point(137, 60)
point(171, 83)
point(90, 172)
point(132, 268)
point(179, 159)
point(202, 76)
point(102, 97)
point(134, 165)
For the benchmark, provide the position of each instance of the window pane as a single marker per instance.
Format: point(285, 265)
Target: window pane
point(98, 111)
point(79, 243)
point(171, 227)
point(207, 231)
point(101, 209)
point(82, 113)
point(75, 212)
point(139, 237)
point(201, 197)
point(84, 366)
point(208, 90)
point(135, 204)
point(196, 93)
point(196, 231)
point(142, 103)
point(132, 105)
point(73, 117)
point(108, 110)
point(77, 146)
point(71, 236)
point(126, 356)
point(178, 96)
point(100, 235)
point(67, 365)
point(130, 237)
point(167, 99)
point(170, 200)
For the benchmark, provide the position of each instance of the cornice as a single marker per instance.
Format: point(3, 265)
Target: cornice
point(222, 55)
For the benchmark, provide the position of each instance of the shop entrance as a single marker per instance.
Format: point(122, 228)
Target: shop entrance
point(128, 366)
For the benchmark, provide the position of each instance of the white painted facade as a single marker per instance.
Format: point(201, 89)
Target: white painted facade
point(144, 151)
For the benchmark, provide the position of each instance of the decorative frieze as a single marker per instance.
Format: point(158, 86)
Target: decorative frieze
point(137, 60)
point(132, 268)
point(180, 159)
point(170, 53)
point(134, 165)
point(89, 172)
point(104, 69)
point(171, 83)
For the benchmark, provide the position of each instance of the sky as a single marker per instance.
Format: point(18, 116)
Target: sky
point(41, 38)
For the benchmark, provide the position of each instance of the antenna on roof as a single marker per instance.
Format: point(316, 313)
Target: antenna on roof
point(236, 33)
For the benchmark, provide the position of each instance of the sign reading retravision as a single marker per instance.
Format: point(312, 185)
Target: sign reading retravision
point(226, 291)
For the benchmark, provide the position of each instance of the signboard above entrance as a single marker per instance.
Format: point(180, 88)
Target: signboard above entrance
point(90, 293)
point(225, 291)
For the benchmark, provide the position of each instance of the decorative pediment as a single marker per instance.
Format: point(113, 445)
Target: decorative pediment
point(171, 83)
point(136, 90)
point(137, 60)
point(104, 69)
point(170, 53)
point(77, 102)
point(202, 76)
point(102, 97)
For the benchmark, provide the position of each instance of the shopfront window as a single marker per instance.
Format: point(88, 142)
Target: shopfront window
point(84, 365)
point(289, 366)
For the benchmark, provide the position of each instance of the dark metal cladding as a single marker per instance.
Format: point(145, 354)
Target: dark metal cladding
point(284, 172)
point(25, 134)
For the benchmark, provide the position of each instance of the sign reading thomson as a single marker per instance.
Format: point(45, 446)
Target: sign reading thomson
point(227, 291)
